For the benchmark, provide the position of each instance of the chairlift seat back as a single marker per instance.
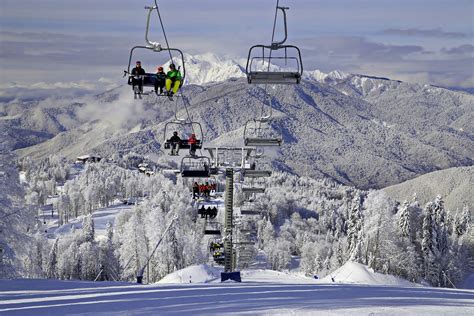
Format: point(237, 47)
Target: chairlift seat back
point(249, 212)
point(183, 144)
point(195, 173)
point(148, 80)
point(259, 141)
point(256, 173)
point(212, 231)
point(270, 77)
point(253, 190)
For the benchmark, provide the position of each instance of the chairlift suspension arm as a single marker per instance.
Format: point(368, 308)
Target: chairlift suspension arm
point(154, 44)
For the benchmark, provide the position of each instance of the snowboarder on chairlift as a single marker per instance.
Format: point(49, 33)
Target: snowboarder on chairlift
point(173, 80)
point(160, 80)
point(174, 142)
point(192, 141)
point(136, 78)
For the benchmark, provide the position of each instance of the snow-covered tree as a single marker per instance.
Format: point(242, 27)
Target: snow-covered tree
point(88, 229)
point(52, 261)
point(17, 220)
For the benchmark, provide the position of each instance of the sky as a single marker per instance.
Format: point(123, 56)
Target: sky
point(71, 43)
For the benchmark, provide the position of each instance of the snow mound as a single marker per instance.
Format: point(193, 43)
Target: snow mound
point(193, 274)
point(352, 272)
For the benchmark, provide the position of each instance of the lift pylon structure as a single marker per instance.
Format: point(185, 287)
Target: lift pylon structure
point(229, 261)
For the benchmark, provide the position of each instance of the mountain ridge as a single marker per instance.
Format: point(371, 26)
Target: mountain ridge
point(326, 133)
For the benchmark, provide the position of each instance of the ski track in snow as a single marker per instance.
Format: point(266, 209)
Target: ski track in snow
point(50, 297)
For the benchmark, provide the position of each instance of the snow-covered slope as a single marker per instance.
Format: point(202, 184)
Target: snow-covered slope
point(455, 185)
point(52, 297)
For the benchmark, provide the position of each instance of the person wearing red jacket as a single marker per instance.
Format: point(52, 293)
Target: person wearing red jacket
point(192, 141)
point(207, 190)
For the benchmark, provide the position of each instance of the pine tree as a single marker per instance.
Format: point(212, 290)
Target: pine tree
point(88, 230)
point(354, 228)
point(404, 221)
point(51, 267)
point(462, 222)
point(441, 226)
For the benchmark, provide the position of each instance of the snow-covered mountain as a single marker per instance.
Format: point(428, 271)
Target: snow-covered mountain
point(455, 185)
point(359, 130)
point(208, 68)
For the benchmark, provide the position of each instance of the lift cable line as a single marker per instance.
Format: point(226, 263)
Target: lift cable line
point(262, 110)
point(163, 28)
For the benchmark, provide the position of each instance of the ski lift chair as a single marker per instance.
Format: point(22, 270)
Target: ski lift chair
point(257, 169)
point(255, 74)
point(258, 132)
point(289, 54)
point(148, 80)
point(212, 228)
point(183, 144)
point(219, 257)
point(215, 244)
point(250, 190)
point(249, 173)
point(249, 212)
point(195, 167)
point(255, 185)
point(248, 209)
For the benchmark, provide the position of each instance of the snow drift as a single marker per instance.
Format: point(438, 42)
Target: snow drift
point(352, 272)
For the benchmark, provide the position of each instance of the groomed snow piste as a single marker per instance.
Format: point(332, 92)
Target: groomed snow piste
point(261, 292)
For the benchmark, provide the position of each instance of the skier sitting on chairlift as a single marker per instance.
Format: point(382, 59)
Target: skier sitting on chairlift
point(160, 80)
point(207, 190)
point(202, 190)
point(174, 142)
point(203, 212)
point(136, 72)
point(173, 80)
point(192, 141)
point(213, 212)
point(195, 190)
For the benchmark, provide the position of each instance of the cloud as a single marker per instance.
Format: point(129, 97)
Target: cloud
point(460, 50)
point(409, 63)
point(50, 62)
point(438, 33)
point(121, 111)
point(21, 92)
point(354, 48)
